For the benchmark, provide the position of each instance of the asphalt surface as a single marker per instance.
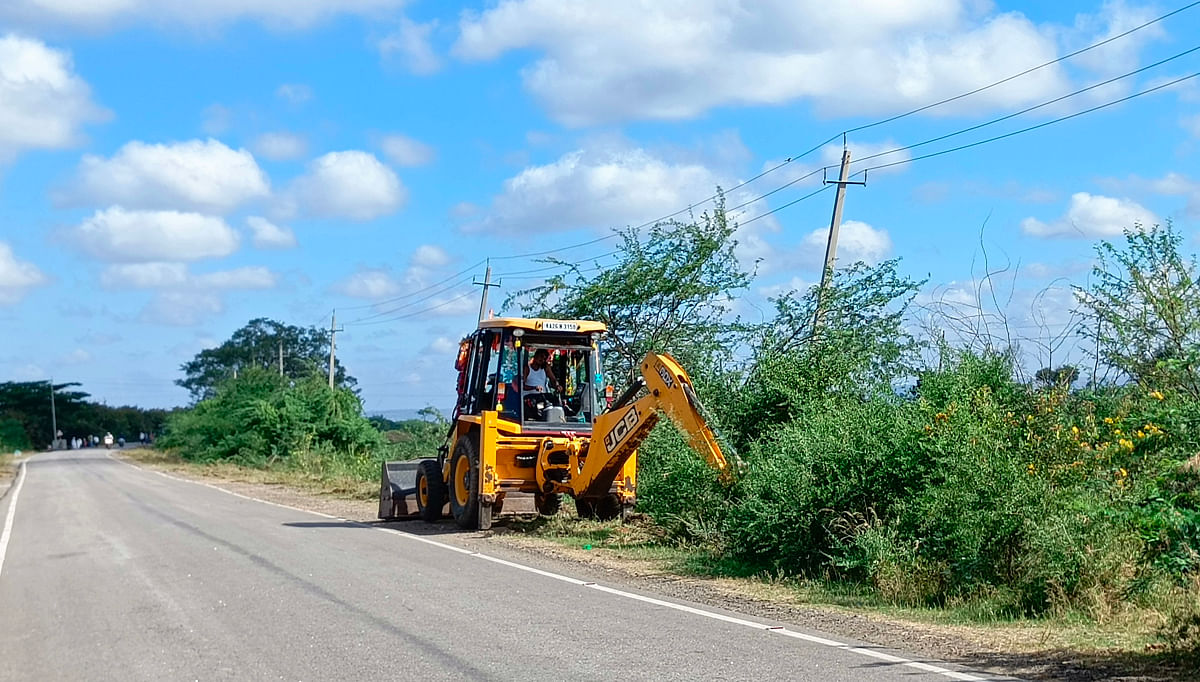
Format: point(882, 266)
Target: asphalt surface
point(113, 572)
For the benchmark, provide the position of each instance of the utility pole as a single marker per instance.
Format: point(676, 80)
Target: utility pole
point(834, 226)
point(333, 330)
point(486, 284)
point(53, 418)
point(281, 357)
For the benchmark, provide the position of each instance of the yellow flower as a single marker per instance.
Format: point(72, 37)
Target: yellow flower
point(1157, 395)
point(1108, 420)
point(1116, 432)
point(1140, 434)
point(1074, 430)
point(1125, 444)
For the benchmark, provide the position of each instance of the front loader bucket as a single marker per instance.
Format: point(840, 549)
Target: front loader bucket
point(398, 490)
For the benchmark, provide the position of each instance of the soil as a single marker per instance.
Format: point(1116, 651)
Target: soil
point(999, 650)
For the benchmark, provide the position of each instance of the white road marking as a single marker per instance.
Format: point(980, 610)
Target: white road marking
point(12, 513)
point(775, 629)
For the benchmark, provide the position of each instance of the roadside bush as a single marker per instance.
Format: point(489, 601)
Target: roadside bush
point(261, 418)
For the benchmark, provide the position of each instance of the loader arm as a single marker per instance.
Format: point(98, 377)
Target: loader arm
point(618, 432)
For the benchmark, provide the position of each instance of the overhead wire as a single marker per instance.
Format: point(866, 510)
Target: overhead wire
point(1026, 72)
point(889, 119)
point(370, 319)
point(415, 313)
point(1027, 109)
point(432, 294)
point(1034, 127)
point(417, 291)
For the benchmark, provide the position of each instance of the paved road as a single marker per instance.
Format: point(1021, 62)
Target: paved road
point(113, 572)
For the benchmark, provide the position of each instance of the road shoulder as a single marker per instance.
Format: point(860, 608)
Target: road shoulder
point(1009, 649)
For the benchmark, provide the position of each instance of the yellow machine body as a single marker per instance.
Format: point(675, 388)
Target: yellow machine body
point(503, 448)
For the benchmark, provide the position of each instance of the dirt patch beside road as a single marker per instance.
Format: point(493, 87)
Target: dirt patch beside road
point(1043, 650)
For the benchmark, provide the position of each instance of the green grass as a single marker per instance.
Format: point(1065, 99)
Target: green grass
point(1131, 632)
point(309, 475)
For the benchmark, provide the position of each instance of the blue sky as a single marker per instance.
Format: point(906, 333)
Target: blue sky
point(170, 169)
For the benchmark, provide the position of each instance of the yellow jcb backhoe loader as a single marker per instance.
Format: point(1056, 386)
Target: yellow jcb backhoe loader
point(525, 431)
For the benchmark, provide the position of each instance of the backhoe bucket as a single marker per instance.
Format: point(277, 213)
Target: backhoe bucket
point(398, 490)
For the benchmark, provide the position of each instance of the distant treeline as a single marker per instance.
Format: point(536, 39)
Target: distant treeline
point(26, 422)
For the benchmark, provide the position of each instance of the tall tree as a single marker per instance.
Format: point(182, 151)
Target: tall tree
point(670, 290)
point(305, 354)
point(1143, 309)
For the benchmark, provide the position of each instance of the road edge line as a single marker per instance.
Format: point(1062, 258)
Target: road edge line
point(812, 639)
point(6, 534)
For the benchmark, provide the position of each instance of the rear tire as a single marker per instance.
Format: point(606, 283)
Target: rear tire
point(608, 507)
point(464, 484)
point(548, 504)
point(431, 490)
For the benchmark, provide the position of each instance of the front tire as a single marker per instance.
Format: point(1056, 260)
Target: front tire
point(431, 490)
point(548, 503)
point(464, 484)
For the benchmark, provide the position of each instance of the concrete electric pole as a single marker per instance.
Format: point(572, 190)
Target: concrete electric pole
point(333, 330)
point(486, 284)
point(834, 227)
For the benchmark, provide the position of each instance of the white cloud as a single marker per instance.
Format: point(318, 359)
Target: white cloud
point(268, 235)
point(369, 284)
point(409, 44)
point(122, 236)
point(443, 345)
point(78, 356)
point(606, 187)
point(144, 276)
point(280, 146)
point(878, 153)
point(216, 119)
point(181, 309)
point(405, 151)
point(176, 276)
point(349, 184)
point(642, 58)
point(1092, 216)
point(857, 241)
point(244, 278)
point(96, 14)
point(1171, 184)
point(43, 103)
point(196, 175)
point(295, 93)
point(1192, 125)
point(16, 276)
point(430, 256)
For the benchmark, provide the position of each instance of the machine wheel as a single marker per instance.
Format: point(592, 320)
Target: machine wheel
point(431, 490)
point(608, 507)
point(548, 503)
point(584, 509)
point(464, 484)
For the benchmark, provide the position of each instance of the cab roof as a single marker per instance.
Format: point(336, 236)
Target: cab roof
point(544, 325)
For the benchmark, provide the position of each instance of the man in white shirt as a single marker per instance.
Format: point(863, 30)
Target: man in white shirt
point(538, 375)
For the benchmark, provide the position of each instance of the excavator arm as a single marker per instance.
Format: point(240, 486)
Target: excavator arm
point(618, 432)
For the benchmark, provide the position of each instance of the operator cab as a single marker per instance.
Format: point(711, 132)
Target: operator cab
point(543, 374)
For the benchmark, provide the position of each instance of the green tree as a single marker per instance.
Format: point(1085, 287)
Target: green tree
point(670, 290)
point(305, 354)
point(1143, 309)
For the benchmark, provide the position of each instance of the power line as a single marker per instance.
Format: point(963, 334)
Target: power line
point(432, 294)
point(1026, 71)
point(414, 293)
point(1028, 109)
point(1035, 127)
point(788, 204)
point(880, 122)
point(406, 316)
